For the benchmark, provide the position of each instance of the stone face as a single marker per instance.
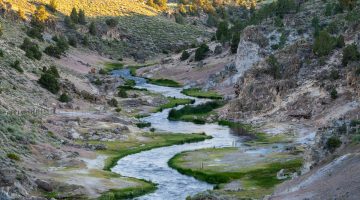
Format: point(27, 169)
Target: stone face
point(7, 177)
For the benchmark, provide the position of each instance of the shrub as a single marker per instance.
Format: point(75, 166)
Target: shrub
point(179, 19)
point(49, 81)
point(235, 42)
point(92, 28)
point(61, 46)
point(324, 44)
point(53, 70)
point(334, 74)
point(1, 53)
point(72, 41)
point(35, 33)
point(347, 4)
point(118, 109)
point(13, 156)
point(185, 55)
point(201, 52)
point(113, 102)
point(222, 32)
point(112, 22)
point(122, 93)
point(350, 53)
point(284, 7)
point(333, 143)
point(212, 21)
point(143, 124)
point(64, 98)
point(16, 65)
point(274, 67)
point(53, 51)
point(340, 41)
point(69, 23)
point(31, 49)
point(102, 71)
point(333, 93)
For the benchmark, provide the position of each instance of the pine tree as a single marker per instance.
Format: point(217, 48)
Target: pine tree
point(82, 18)
point(74, 16)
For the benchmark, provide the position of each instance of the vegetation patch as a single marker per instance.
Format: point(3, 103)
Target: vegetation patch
point(143, 124)
point(128, 193)
point(197, 92)
point(117, 150)
point(196, 114)
point(164, 82)
point(173, 102)
point(113, 66)
point(260, 177)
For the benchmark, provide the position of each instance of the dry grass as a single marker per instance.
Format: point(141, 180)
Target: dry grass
point(93, 8)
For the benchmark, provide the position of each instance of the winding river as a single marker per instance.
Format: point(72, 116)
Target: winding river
point(152, 165)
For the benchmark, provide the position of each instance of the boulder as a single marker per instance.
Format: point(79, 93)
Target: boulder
point(7, 177)
point(44, 185)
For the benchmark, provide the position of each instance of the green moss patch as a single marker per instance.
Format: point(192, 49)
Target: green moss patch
point(215, 166)
point(197, 92)
point(164, 82)
point(196, 114)
point(117, 150)
point(173, 102)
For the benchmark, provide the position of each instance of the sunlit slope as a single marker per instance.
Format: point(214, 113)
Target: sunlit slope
point(92, 7)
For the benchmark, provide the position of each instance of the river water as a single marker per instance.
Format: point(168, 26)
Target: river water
point(152, 165)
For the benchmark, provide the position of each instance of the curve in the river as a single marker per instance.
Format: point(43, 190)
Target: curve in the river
point(152, 165)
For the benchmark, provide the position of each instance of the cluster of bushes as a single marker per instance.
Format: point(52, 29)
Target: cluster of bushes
point(350, 53)
point(324, 43)
point(75, 18)
point(191, 110)
point(59, 49)
point(49, 79)
point(31, 49)
point(201, 52)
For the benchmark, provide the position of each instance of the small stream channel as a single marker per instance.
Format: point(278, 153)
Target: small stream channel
point(152, 165)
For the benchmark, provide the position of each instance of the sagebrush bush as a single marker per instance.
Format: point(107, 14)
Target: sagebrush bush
point(16, 65)
point(333, 143)
point(49, 80)
point(350, 53)
point(185, 55)
point(324, 44)
point(113, 102)
point(201, 52)
point(31, 49)
point(64, 98)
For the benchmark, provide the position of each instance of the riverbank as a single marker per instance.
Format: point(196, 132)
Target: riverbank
point(238, 173)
